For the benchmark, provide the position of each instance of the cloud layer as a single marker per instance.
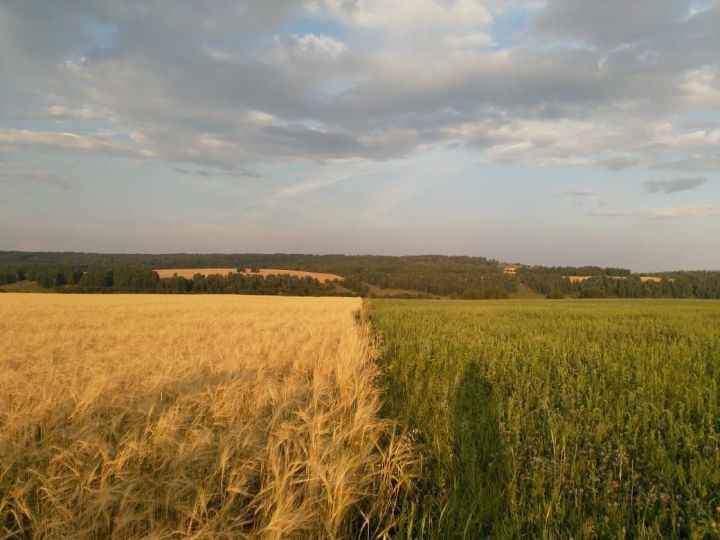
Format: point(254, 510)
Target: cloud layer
point(236, 83)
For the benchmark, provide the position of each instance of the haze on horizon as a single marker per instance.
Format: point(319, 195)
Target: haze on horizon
point(559, 132)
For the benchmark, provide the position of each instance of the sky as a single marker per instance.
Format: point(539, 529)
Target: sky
point(560, 132)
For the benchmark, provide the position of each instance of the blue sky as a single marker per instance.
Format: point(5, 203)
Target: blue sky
point(558, 132)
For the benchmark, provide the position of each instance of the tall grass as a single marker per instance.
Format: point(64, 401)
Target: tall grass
point(204, 417)
point(580, 419)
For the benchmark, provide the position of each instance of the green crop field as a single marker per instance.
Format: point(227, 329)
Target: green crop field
point(557, 419)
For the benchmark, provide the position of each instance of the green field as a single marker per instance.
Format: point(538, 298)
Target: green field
point(557, 419)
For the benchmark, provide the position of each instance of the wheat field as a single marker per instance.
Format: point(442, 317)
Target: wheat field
point(152, 416)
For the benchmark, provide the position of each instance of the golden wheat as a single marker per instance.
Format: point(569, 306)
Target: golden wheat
point(131, 416)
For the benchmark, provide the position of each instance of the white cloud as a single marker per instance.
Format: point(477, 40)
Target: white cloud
point(615, 141)
point(260, 118)
point(468, 41)
point(313, 46)
point(85, 113)
point(93, 142)
point(701, 87)
point(406, 17)
point(407, 75)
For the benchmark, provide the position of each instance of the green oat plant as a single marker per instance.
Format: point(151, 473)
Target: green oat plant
point(578, 418)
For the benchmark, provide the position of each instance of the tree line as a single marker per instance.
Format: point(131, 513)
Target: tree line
point(685, 284)
point(414, 276)
point(424, 276)
point(140, 280)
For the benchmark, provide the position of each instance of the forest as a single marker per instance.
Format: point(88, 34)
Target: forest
point(424, 276)
point(140, 280)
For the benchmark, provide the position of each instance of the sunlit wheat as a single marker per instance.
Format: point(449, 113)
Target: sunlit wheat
point(193, 416)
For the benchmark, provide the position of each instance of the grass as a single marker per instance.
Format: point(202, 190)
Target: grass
point(131, 416)
point(561, 419)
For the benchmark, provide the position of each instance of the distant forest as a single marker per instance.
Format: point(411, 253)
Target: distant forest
point(426, 276)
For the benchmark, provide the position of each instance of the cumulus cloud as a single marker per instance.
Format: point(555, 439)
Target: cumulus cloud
point(321, 46)
point(673, 186)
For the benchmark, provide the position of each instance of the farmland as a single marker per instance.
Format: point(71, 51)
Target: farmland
point(190, 416)
point(188, 273)
point(569, 419)
point(409, 277)
point(223, 416)
point(320, 276)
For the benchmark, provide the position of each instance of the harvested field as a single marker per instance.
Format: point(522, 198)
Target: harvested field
point(580, 279)
point(131, 416)
point(644, 279)
point(188, 273)
point(576, 279)
point(320, 276)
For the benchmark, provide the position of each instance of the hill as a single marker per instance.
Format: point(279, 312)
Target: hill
point(421, 276)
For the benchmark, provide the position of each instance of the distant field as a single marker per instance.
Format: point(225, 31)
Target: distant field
point(575, 279)
point(190, 272)
point(644, 279)
point(564, 419)
point(132, 416)
point(320, 276)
